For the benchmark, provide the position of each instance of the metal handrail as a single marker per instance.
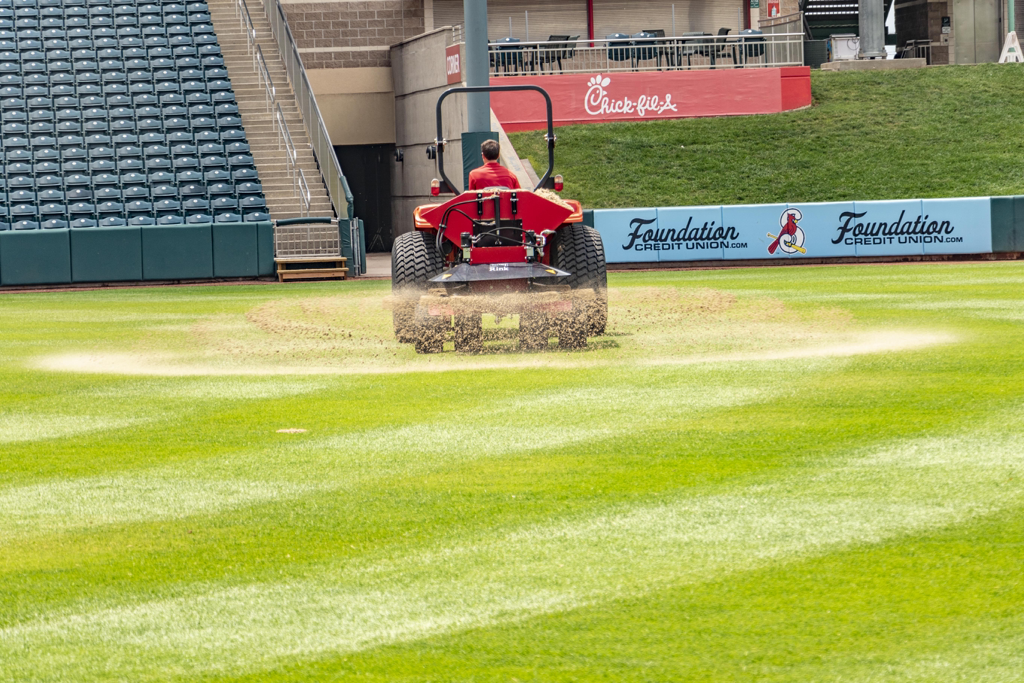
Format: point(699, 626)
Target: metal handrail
point(263, 72)
point(304, 194)
point(245, 21)
point(320, 141)
point(284, 138)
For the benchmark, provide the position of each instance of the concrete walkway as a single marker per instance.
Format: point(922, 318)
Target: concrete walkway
point(378, 265)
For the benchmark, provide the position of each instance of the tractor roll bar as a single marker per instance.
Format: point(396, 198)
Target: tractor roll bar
point(440, 142)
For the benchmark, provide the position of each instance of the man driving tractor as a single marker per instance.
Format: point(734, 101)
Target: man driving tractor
point(491, 174)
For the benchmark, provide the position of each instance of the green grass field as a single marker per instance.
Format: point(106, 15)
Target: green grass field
point(779, 474)
point(942, 132)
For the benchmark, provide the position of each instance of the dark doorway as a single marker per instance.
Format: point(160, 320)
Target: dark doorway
point(367, 169)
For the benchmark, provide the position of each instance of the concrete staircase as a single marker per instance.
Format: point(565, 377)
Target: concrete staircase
point(282, 200)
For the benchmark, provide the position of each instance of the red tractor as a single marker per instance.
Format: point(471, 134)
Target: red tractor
point(501, 252)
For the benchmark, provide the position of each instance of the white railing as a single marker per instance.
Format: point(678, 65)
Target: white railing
point(245, 22)
point(304, 194)
point(284, 140)
point(309, 240)
point(320, 141)
point(265, 81)
point(756, 50)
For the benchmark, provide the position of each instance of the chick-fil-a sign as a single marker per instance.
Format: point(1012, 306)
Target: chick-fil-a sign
point(599, 101)
point(648, 95)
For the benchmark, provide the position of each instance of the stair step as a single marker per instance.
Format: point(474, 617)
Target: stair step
point(260, 125)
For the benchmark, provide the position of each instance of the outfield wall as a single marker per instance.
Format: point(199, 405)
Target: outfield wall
point(905, 227)
point(118, 254)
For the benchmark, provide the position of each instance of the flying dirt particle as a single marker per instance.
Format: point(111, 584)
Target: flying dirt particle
point(292, 430)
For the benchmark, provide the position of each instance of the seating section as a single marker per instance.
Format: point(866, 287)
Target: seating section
point(118, 113)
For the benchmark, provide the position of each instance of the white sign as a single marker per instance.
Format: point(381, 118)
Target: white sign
point(598, 102)
point(1011, 49)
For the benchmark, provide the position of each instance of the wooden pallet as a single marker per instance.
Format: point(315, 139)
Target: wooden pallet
point(311, 268)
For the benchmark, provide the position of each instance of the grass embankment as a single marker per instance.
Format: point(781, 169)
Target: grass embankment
point(937, 132)
point(787, 474)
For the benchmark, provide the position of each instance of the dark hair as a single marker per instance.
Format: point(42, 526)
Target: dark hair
point(490, 149)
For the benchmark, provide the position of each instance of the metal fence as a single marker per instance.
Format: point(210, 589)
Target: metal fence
point(916, 49)
point(310, 240)
point(677, 53)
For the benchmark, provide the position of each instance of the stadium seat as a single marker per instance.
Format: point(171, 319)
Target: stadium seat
point(117, 112)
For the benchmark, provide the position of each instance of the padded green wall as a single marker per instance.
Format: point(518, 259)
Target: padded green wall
point(35, 257)
point(177, 252)
point(265, 247)
point(106, 254)
point(235, 250)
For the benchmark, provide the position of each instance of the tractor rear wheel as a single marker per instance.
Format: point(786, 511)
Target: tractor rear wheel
point(414, 260)
point(469, 334)
point(580, 251)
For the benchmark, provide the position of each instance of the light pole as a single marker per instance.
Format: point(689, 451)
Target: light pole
point(478, 68)
point(872, 29)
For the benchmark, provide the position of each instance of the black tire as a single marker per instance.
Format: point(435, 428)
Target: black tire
point(580, 251)
point(414, 260)
point(469, 333)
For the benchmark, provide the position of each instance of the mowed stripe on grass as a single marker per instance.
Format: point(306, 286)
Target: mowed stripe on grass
point(805, 457)
point(619, 553)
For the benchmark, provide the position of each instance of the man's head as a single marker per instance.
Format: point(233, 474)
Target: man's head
point(490, 150)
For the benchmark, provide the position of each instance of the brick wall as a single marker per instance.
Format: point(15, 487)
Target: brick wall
point(352, 33)
point(786, 7)
point(922, 20)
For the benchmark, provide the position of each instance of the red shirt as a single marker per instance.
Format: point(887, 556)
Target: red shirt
point(492, 174)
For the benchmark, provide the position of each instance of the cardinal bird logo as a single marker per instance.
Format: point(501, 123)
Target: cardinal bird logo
point(791, 237)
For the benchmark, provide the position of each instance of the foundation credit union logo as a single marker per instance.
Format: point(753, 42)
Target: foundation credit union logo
point(598, 102)
point(791, 236)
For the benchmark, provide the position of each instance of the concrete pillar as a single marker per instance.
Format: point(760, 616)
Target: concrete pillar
point(477, 65)
point(872, 29)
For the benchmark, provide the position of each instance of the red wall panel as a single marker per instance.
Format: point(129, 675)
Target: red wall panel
point(639, 96)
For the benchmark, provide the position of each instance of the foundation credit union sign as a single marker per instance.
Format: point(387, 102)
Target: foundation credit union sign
point(453, 64)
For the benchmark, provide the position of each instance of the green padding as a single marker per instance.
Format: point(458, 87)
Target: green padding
point(471, 157)
point(1002, 224)
point(265, 247)
point(305, 221)
point(35, 257)
point(588, 217)
point(106, 254)
point(235, 251)
point(362, 247)
point(1018, 224)
point(177, 252)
